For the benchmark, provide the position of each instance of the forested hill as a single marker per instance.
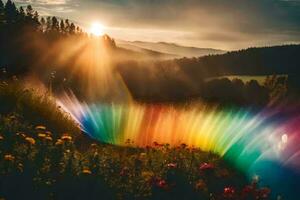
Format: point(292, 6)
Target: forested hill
point(252, 61)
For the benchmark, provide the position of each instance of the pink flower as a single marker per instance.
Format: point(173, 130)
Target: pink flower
point(206, 167)
point(172, 165)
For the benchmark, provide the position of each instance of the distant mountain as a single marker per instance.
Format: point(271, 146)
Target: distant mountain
point(146, 54)
point(170, 49)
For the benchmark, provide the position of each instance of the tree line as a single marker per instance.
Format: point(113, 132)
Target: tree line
point(10, 16)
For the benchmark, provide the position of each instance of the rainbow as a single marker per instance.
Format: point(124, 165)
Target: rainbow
point(263, 143)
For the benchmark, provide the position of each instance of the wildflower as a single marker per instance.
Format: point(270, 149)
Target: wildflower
point(172, 165)
point(30, 140)
point(59, 142)
point(48, 133)
point(66, 138)
point(206, 167)
point(161, 183)
point(20, 134)
point(48, 138)
point(9, 157)
point(86, 171)
point(42, 135)
point(228, 192)
point(40, 128)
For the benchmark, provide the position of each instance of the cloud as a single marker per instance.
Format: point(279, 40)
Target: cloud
point(229, 24)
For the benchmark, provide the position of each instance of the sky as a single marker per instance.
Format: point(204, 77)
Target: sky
point(222, 24)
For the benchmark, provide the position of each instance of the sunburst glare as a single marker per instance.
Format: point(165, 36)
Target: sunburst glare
point(97, 29)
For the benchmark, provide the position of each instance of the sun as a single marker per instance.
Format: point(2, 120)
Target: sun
point(97, 29)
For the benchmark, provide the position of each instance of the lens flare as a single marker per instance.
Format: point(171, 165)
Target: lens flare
point(262, 144)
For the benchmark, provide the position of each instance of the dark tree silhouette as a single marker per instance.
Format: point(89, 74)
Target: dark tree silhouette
point(10, 11)
point(62, 27)
point(29, 12)
point(55, 25)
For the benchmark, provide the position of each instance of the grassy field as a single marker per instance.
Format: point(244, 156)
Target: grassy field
point(43, 155)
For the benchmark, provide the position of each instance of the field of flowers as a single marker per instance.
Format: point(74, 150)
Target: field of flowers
point(58, 162)
point(41, 167)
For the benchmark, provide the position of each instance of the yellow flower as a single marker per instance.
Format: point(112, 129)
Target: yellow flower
point(58, 142)
point(41, 135)
point(86, 171)
point(49, 138)
point(30, 140)
point(40, 128)
point(66, 138)
point(9, 157)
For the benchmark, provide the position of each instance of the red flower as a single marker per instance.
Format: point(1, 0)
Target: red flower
point(228, 192)
point(162, 184)
point(248, 189)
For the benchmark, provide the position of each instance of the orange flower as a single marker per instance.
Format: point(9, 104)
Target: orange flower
point(66, 138)
point(48, 138)
point(9, 157)
point(86, 171)
point(41, 135)
point(59, 142)
point(30, 140)
point(40, 128)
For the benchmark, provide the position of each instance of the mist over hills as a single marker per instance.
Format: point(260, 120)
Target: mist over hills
point(170, 49)
point(184, 79)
